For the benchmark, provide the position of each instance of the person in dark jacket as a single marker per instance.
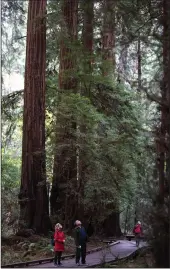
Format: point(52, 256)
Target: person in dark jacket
point(80, 237)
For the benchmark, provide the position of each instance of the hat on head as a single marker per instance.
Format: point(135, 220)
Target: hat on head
point(139, 222)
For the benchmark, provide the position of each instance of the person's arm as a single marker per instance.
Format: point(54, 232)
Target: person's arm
point(58, 239)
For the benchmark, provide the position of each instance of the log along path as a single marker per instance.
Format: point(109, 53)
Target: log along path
point(118, 250)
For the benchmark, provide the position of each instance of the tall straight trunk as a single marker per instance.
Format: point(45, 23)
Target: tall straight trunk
point(139, 63)
point(126, 219)
point(108, 38)
point(67, 61)
point(111, 224)
point(33, 196)
point(167, 72)
point(166, 69)
point(63, 200)
point(87, 37)
point(123, 58)
point(87, 42)
point(161, 226)
point(165, 96)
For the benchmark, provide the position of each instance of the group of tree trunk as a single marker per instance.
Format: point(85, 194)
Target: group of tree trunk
point(68, 170)
point(67, 186)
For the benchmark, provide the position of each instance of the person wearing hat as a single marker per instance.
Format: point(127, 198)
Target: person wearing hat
point(59, 239)
point(80, 237)
point(137, 230)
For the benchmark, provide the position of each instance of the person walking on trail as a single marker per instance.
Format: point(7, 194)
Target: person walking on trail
point(59, 239)
point(137, 230)
point(80, 237)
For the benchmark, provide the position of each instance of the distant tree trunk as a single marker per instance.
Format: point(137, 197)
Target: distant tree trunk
point(33, 196)
point(108, 38)
point(63, 193)
point(87, 40)
point(123, 58)
point(139, 63)
point(111, 224)
point(126, 219)
point(87, 37)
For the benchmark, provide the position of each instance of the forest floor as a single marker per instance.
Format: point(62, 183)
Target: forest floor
point(16, 249)
point(144, 259)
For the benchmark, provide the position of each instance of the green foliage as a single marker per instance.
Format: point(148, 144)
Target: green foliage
point(11, 171)
point(106, 120)
point(10, 182)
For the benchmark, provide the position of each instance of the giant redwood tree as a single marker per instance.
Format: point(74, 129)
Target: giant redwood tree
point(33, 198)
point(63, 193)
point(87, 47)
point(160, 213)
point(111, 223)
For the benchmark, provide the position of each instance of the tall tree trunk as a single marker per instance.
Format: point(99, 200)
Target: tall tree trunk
point(63, 195)
point(33, 196)
point(87, 37)
point(111, 224)
point(126, 219)
point(123, 58)
point(167, 10)
point(162, 207)
point(164, 113)
point(87, 40)
point(139, 63)
point(108, 38)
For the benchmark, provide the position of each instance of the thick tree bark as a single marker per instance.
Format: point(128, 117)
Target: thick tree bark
point(33, 197)
point(166, 83)
point(165, 119)
point(67, 60)
point(63, 193)
point(167, 10)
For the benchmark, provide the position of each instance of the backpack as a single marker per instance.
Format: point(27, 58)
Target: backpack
point(137, 229)
point(52, 241)
point(83, 234)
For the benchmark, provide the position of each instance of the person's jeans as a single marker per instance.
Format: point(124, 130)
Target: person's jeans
point(81, 252)
point(137, 238)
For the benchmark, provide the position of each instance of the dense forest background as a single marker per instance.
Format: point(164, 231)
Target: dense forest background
point(88, 137)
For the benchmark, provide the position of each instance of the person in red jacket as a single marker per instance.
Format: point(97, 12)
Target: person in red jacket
point(137, 230)
point(59, 239)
